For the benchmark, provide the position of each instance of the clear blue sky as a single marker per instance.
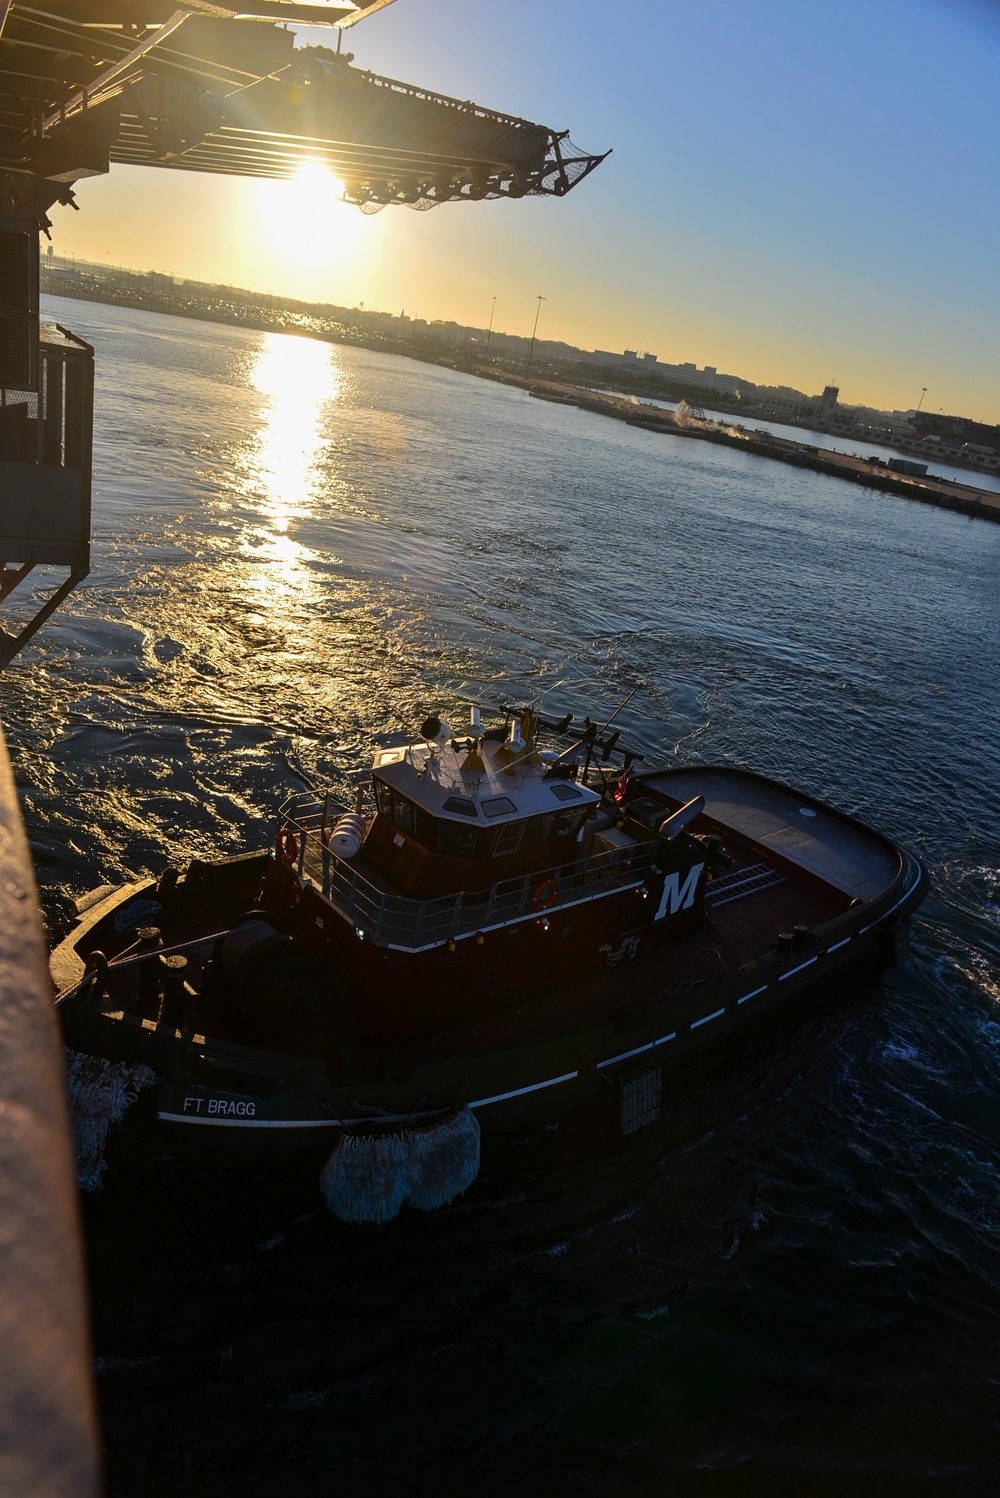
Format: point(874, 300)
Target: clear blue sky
point(798, 191)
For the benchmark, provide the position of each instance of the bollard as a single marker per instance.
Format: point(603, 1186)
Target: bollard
point(149, 972)
point(171, 974)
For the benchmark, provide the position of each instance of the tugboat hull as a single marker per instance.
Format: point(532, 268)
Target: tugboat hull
point(629, 1005)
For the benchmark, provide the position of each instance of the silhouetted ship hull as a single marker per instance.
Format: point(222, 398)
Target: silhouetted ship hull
point(515, 930)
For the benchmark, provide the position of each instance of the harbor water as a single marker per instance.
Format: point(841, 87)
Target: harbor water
point(791, 1284)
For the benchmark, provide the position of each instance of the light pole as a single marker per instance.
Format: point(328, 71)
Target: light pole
point(489, 331)
point(531, 346)
point(920, 402)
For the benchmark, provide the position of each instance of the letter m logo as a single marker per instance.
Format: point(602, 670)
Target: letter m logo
point(677, 896)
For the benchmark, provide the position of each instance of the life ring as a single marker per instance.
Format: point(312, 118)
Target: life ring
point(287, 847)
point(545, 894)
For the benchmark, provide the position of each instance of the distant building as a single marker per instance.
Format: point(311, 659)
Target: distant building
point(686, 375)
point(708, 378)
point(828, 403)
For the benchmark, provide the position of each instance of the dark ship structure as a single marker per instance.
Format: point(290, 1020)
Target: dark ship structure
point(523, 923)
point(203, 87)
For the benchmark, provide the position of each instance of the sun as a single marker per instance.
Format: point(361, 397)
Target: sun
point(304, 220)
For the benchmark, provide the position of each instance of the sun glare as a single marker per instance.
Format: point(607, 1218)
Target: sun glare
point(282, 472)
point(299, 376)
point(304, 220)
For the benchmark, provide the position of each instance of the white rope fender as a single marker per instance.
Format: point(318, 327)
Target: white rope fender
point(369, 1177)
point(99, 1092)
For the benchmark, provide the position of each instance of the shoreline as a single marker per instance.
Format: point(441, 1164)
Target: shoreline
point(945, 494)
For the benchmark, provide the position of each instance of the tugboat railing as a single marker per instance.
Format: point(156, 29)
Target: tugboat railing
point(400, 921)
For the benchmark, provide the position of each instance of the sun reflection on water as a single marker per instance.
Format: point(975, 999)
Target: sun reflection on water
point(285, 471)
point(299, 377)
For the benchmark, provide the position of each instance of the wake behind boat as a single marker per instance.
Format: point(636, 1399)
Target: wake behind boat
point(512, 922)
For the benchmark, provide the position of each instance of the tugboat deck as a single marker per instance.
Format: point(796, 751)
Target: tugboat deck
point(840, 852)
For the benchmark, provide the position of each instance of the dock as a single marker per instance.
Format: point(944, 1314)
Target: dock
point(946, 494)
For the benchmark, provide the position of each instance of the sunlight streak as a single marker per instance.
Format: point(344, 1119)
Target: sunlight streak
point(283, 474)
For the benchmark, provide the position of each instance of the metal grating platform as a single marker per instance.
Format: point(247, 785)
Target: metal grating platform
point(741, 883)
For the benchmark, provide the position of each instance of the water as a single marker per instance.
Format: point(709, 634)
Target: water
point(792, 1285)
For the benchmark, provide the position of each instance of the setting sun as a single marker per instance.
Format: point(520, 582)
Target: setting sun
point(304, 218)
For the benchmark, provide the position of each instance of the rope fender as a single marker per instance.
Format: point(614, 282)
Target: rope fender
point(369, 1177)
point(98, 1092)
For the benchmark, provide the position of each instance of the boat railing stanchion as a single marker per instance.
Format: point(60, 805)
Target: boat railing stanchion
point(324, 837)
point(302, 847)
point(522, 903)
point(456, 914)
point(491, 903)
point(379, 918)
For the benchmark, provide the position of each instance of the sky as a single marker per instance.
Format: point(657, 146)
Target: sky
point(798, 193)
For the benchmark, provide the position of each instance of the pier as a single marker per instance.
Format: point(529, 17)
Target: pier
point(946, 494)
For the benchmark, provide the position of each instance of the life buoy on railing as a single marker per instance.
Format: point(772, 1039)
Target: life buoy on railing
point(286, 846)
point(545, 894)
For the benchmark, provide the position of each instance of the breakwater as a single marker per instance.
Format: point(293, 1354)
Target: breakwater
point(946, 494)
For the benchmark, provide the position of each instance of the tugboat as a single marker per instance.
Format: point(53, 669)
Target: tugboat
point(524, 919)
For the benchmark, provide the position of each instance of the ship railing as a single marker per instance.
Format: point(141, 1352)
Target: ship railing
point(46, 436)
point(399, 921)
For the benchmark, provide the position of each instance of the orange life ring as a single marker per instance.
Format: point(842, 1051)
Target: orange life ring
point(545, 894)
point(287, 847)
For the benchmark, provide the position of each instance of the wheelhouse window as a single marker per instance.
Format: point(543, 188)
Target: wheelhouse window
point(408, 817)
point(383, 795)
point(507, 838)
point(536, 830)
point(528, 834)
point(455, 840)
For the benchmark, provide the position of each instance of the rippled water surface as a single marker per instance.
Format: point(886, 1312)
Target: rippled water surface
point(792, 1285)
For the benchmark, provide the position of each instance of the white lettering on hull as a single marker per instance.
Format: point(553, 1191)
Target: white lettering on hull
point(219, 1107)
point(677, 896)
